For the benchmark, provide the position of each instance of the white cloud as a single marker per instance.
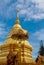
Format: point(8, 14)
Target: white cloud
point(3, 31)
point(33, 9)
point(39, 35)
point(2, 24)
point(1, 42)
point(40, 3)
point(30, 9)
point(39, 16)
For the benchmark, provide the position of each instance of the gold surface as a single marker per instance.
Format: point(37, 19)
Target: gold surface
point(21, 47)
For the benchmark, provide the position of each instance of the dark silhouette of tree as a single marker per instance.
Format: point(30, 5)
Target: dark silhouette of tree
point(41, 51)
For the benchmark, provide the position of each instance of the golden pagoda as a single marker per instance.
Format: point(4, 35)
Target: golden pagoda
point(17, 45)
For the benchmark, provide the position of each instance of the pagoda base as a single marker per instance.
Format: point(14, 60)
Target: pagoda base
point(26, 64)
point(3, 63)
point(19, 64)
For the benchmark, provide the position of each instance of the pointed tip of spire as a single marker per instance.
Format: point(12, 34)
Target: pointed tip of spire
point(17, 20)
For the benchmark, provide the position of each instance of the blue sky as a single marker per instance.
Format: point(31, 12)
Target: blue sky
point(31, 15)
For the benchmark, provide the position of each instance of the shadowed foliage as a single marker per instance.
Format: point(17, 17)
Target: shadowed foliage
point(41, 51)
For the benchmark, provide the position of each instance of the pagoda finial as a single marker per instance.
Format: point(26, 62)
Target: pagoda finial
point(17, 20)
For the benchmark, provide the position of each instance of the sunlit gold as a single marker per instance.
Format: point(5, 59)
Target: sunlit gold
point(18, 44)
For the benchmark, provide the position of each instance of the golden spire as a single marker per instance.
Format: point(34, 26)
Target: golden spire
point(17, 20)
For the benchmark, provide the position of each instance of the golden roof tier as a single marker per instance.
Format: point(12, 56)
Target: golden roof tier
point(17, 32)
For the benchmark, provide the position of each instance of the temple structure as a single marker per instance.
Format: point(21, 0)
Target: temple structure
point(16, 47)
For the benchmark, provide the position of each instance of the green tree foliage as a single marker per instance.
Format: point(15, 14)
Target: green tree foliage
point(41, 51)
